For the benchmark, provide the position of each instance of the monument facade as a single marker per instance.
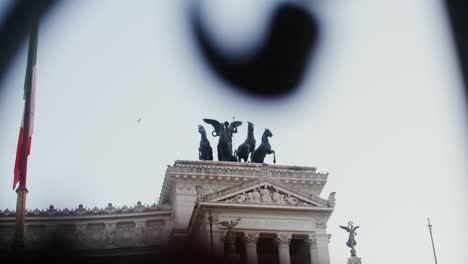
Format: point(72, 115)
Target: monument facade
point(245, 212)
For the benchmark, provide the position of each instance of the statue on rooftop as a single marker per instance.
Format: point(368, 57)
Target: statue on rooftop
point(225, 132)
point(205, 152)
point(248, 146)
point(258, 156)
point(352, 233)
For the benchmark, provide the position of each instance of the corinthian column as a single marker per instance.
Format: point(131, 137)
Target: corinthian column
point(283, 241)
point(323, 255)
point(312, 243)
point(251, 240)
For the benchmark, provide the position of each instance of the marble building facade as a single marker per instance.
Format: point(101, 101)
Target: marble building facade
point(283, 217)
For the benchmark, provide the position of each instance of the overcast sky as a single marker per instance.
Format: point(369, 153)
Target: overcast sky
point(380, 109)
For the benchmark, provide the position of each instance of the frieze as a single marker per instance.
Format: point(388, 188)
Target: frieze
point(244, 169)
point(274, 224)
point(231, 172)
point(93, 235)
point(82, 211)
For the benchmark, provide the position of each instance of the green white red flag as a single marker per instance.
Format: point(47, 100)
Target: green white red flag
point(27, 123)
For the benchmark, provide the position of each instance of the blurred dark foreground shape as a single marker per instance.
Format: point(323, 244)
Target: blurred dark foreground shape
point(61, 251)
point(277, 67)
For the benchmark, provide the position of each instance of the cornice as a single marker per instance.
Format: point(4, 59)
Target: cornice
point(232, 172)
point(81, 211)
point(241, 168)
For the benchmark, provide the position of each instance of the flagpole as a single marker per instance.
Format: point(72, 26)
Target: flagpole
point(21, 191)
point(210, 217)
point(432, 240)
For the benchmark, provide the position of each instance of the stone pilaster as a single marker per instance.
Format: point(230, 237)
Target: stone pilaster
point(283, 241)
point(251, 240)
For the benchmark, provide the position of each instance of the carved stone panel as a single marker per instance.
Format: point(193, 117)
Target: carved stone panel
point(125, 234)
point(153, 232)
point(95, 235)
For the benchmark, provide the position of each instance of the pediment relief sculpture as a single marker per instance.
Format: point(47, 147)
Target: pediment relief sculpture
point(267, 194)
point(265, 190)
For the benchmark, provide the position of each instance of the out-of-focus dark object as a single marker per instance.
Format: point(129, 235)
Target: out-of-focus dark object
point(277, 67)
point(458, 15)
point(19, 21)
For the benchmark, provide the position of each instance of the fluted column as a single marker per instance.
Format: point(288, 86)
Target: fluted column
point(251, 240)
point(283, 241)
point(323, 255)
point(312, 244)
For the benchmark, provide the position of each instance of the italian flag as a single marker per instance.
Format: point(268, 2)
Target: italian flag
point(27, 123)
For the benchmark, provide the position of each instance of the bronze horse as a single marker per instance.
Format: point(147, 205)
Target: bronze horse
point(248, 146)
point(205, 152)
point(258, 156)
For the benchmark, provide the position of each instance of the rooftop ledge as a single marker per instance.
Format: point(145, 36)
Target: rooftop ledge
point(241, 164)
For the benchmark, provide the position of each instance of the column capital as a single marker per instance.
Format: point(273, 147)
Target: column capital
point(311, 242)
point(283, 239)
point(251, 238)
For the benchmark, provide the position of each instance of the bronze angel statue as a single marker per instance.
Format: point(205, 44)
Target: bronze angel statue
point(352, 232)
point(230, 236)
point(225, 132)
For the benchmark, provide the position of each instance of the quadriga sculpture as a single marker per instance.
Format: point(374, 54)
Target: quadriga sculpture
point(224, 131)
point(205, 152)
point(248, 146)
point(258, 156)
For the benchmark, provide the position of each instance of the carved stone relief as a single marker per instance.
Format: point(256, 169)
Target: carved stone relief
point(125, 233)
point(140, 230)
point(110, 234)
point(267, 194)
point(95, 235)
point(153, 232)
point(321, 221)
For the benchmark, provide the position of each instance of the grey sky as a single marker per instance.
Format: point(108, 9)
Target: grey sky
point(380, 109)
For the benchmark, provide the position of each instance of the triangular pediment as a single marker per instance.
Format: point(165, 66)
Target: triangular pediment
point(266, 191)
